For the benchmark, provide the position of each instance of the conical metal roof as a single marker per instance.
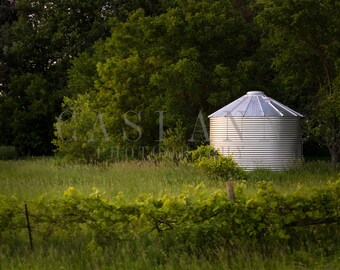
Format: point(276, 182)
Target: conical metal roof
point(255, 103)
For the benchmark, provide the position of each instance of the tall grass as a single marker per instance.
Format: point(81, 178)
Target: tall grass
point(28, 179)
point(141, 254)
point(312, 173)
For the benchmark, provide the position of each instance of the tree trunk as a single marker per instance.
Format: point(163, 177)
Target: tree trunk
point(334, 142)
point(335, 154)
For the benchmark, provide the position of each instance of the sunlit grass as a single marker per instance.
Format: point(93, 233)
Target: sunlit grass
point(30, 178)
point(27, 179)
point(312, 173)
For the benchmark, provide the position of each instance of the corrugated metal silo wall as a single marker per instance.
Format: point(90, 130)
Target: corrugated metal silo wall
point(258, 142)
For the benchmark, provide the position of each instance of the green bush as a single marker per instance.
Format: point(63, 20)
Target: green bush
point(209, 160)
point(173, 145)
point(195, 217)
point(202, 151)
point(224, 167)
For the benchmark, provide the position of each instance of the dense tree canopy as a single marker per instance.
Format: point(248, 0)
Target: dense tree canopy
point(128, 69)
point(38, 40)
point(305, 38)
point(36, 53)
point(188, 59)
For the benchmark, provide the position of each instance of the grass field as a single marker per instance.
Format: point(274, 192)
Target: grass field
point(29, 179)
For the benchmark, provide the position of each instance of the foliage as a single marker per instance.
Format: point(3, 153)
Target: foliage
point(38, 40)
point(7, 12)
point(210, 161)
point(169, 63)
point(304, 38)
point(224, 167)
point(139, 58)
point(203, 151)
point(193, 218)
point(30, 178)
point(30, 118)
point(174, 144)
point(82, 127)
point(136, 177)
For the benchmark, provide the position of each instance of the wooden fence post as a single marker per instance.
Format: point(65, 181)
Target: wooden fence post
point(28, 226)
point(230, 190)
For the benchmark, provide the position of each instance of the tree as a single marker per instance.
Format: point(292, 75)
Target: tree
point(36, 51)
point(304, 35)
point(77, 125)
point(41, 38)
point(31, 114)
point(7, 12)
point(187, 59)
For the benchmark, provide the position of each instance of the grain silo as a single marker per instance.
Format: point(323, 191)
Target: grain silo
point(258, 132)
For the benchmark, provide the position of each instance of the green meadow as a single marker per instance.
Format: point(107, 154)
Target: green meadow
point(29, 179)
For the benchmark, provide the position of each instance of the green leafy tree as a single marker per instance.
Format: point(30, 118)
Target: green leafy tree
point(185, 60)
point(79, 125)
point(304, 36)
point(42, 38)
point(36, 50)
point(174, 144)
point(30, 116)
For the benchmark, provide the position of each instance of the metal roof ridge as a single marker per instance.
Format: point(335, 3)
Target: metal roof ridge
point(287, 108)
point(258, 100)
point(270, 103)
point(245, 111)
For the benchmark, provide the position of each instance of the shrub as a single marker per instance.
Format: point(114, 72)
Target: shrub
point(224, 167)
point(174, 144)
point(203, 151)
point(209, 160)
point(195, 217)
